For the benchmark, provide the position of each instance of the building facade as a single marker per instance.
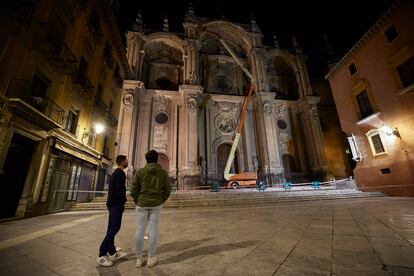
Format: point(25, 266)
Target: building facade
point(373, 87)
point(185, 99)
point(62, 67)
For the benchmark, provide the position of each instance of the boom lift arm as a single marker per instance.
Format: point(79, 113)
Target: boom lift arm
point(245, 106)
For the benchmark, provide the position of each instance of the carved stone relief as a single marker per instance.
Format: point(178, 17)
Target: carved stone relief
point(128, 99)
point(281, 110)
point(268, 109)
point(226, 106)
point(162, 103)
point(225, 123)
point(160, 138)
point(191, 104)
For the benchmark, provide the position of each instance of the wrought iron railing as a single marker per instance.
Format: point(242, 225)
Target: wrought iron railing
point(20, 88)
point(54, 50)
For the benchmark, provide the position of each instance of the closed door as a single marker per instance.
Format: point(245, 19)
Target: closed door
point(13, 178)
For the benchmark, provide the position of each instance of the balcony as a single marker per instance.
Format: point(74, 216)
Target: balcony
point(54, 50)
point(83, 86)
point(20, 90)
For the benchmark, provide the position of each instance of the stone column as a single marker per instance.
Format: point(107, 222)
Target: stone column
point(135, 53)
point(191, 71)
point(262, 147)
point(313, 134)
point(257, 70)
point(189, 131)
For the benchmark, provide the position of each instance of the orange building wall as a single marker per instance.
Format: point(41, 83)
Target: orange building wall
point(374, 60)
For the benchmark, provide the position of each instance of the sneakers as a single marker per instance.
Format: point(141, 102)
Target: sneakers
point(140, 262)
point(152, 261)
point(117, 255)
point(146, 237)
point(104, 261)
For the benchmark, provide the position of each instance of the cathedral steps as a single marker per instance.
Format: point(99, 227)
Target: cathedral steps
point(239, 197)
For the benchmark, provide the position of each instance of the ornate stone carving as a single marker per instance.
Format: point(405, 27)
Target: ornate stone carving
point(267, 107)
point(225, 123)
point(191, 104)
point(128, 99)
point(160, 138)
point(281, 110)
point(162, 103)
point(226, 106)
point(314, 111)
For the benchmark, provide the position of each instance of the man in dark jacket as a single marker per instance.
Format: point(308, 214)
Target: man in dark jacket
point(116, 206)
point(150, 189)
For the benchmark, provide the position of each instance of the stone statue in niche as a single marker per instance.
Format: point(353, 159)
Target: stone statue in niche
point(191, 104)
point(255, 163)
point(192, 78)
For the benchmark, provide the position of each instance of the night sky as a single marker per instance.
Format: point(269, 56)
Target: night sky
point(344, 22)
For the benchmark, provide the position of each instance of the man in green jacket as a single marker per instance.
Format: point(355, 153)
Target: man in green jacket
point(150, 189)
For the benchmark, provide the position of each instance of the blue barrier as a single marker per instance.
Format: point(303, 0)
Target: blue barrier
point(214, 187)
point(287, 186)
point(316, 185)
point(260, 185)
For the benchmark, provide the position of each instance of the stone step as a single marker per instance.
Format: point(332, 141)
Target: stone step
point(217, 199)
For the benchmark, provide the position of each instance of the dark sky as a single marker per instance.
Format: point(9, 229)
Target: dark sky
point(344, 22)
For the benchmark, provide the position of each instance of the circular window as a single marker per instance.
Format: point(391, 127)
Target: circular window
point(161, 118)
point(281, 124)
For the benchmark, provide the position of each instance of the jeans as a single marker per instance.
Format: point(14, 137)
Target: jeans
point(114, 224)
point(145, 215)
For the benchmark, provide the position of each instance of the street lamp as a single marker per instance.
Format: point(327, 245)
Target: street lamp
point(97, 129)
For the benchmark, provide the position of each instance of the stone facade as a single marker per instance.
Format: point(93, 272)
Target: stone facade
point(186, 95)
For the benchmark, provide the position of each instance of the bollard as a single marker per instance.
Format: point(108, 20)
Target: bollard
point(316, 185)
point(287, 186)
point(260, 185)
point(214, 187)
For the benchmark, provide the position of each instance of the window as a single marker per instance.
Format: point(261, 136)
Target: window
point(375, 141)
point(391, 34)
point(72, 121)
point(356, 154)
point(352, 69)
point(406, 72)
point(364, 104)
point(38, 91)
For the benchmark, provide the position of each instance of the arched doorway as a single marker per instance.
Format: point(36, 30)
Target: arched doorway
point(222, 155)
point(163, 161)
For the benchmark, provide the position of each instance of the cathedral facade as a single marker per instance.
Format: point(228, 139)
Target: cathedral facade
point(185, 99)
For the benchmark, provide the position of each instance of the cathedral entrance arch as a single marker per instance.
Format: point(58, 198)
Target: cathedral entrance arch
point(222, 154)
point(163, 161)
